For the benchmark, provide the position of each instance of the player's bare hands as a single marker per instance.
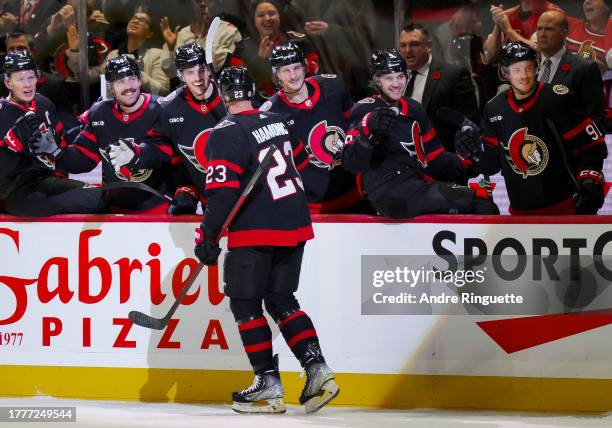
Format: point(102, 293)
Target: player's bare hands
point(316, 28)
point(169, 35)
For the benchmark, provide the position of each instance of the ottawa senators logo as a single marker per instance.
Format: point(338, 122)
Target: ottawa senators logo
point(137, 176)
point(526, 154)
point(324, 142)
point(415, 147)
point(195, 154)
point(586, 51)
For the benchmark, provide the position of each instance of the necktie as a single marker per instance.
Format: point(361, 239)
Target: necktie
point(410, 86)
point(27, 7)
point(546, 71)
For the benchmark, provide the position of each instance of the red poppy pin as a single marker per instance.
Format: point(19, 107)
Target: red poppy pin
point(436, 75)
point(565, 66)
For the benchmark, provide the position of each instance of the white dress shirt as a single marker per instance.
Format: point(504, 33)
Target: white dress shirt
point(555, 60)
point(420, 80)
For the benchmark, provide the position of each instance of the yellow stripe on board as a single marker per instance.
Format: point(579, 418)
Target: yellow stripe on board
point(375, 390)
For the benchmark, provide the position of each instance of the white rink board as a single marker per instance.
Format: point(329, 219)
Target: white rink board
point(329, 292)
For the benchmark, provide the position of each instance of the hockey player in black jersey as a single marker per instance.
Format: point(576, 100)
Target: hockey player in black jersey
point(393, 146)
point(266, 243)
point(29, 184)
point(179, 136)
point(550, 154)
point(114, 128)
point(316, 109)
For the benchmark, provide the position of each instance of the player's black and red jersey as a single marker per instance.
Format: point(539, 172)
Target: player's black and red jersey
point(529, 135)
point(412, 149)
point(180, 133)
point(275, 213)
point(15, 160)
point(106, 124)
point(320, 122)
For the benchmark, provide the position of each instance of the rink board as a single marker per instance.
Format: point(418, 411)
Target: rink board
point(67, 284)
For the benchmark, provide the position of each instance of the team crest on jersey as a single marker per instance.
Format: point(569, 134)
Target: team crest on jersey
point(265, 106)
point(328, 76)
point(415, 147)
point(323, 143)
point(224, 124)
point(137, 176)
point(560, 89)
point(195, 154)
point(586, 51)
point(368, 100)
point(526, 154)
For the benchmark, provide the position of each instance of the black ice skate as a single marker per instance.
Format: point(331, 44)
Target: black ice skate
point(320, 387)
point(265, 395)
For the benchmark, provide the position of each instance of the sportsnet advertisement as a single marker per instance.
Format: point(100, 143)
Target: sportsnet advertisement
point(64, 299)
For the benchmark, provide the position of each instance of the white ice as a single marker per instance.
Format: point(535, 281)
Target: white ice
point(105, 414)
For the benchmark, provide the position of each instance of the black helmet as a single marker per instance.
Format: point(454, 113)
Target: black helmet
point(189, 55)
point(516, 52)
point(19, 60)
point(236, 84)
point(121, 66)
point(286, 54)
point(387, 61)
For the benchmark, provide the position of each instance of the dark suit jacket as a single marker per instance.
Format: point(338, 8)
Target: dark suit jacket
point(448, 85)
point(584, 79)
point(40, 17)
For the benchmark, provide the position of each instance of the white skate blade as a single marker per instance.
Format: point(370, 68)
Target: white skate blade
point(264, 406)
point(330, 391)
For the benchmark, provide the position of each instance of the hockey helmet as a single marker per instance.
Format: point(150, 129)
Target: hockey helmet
point(189, 55)
point(516, 52)
point(387, 61)
point(121, 66)
point(236, 84)
point(18, 60)
point(286, 54)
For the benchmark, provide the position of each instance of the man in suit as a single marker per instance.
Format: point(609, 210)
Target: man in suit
point(436, 84)
point(559, 66)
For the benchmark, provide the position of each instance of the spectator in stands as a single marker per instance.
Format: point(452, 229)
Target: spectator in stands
point(558, 66)
point(224, 45)
point(591, 37)
point(518, 23)
point(254, 52)
point(343, 34)
point(436, 84)
point(36, 16)
point(141, 45)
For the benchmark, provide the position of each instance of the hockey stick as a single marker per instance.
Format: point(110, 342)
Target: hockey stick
point(561, 148)
point(148, 321)
point(208, 48)
point(136, 186)
point(455, 118)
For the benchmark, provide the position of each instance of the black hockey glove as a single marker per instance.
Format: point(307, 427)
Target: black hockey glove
point(123, 156)
point(206, 249)
point(377, 123)
point(185, 201)
point(591, 192)
point(43, 143)
point(18, 137)
point(468, 141)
